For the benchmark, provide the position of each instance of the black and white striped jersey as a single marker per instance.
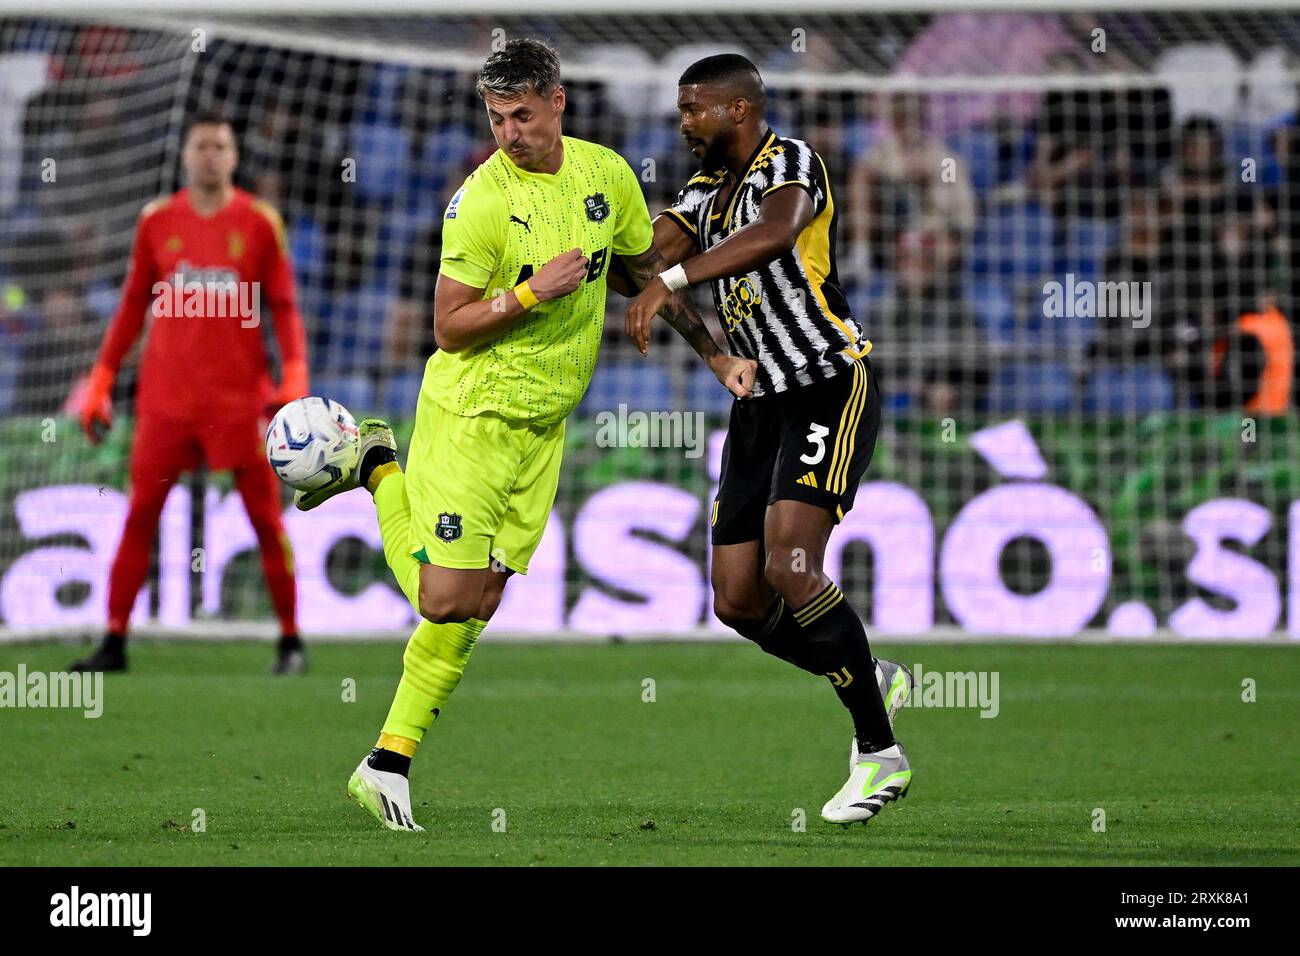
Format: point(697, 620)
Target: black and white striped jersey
point(789, 315)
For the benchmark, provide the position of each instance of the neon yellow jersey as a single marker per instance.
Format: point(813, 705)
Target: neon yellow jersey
point(500, 228)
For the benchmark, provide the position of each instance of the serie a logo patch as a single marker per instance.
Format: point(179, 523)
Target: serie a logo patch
point(597, 207)
point(449, 527)
point(455, 201)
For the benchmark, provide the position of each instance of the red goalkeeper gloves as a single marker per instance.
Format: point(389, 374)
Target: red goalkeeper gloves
point(293, 383)
point(96, 412)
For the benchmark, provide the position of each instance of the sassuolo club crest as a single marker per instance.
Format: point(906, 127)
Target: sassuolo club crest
point(597, 207)
point(449, 528)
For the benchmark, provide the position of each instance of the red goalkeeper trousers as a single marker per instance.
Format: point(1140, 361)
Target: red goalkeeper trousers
point(161, 451)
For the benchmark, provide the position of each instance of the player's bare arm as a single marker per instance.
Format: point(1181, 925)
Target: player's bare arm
point(672, 245)
point(782, 216)
point(462, 318)
point(735, 373)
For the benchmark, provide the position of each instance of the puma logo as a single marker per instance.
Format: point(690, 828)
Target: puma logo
point(522, 222)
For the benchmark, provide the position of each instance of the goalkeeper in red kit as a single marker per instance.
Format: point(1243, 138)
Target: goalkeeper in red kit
point(206, 261)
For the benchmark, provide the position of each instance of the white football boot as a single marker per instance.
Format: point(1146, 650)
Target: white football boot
point(874, 781)
point(386, 795)
point(895, 682)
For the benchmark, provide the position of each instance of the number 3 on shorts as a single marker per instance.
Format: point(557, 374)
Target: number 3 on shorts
point(817, 435)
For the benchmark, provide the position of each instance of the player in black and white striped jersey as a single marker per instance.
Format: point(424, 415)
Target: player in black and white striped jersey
point(789, 313)
point(758, 224)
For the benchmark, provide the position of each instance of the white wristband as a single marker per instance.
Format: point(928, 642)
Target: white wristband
point(675, 278)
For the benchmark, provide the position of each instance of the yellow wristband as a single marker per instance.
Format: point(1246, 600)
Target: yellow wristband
point(525, 295)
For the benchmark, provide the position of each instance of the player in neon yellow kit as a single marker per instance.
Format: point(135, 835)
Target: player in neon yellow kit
point(517, 346)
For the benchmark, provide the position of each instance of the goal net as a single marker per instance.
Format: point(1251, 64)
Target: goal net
point(1069, 235)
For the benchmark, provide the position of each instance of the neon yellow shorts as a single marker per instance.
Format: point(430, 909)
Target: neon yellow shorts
point(481, 488)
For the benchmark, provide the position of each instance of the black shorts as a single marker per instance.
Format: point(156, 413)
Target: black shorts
point(808, 444)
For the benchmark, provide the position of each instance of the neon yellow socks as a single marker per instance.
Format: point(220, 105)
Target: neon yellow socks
point(436, 654)
point(432, 666)
point(394, 510)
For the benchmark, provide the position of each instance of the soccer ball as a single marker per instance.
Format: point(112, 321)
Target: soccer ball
point(311, 442)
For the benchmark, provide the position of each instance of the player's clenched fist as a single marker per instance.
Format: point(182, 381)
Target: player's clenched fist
point(560, 276)
point(735, 373)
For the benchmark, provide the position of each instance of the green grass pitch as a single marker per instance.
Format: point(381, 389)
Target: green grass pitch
point(556, 741)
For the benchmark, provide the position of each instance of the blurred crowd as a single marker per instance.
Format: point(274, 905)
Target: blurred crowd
point(960, 207)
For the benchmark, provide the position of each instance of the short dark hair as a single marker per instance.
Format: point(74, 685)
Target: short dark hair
point(208, 118)
point(522, 64)
point(729, 70)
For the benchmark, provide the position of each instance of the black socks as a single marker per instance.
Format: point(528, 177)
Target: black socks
point(388, 761)
point(781, 637)
point(836, 642)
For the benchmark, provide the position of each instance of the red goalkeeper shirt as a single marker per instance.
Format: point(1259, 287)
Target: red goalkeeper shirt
point(203, 285)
